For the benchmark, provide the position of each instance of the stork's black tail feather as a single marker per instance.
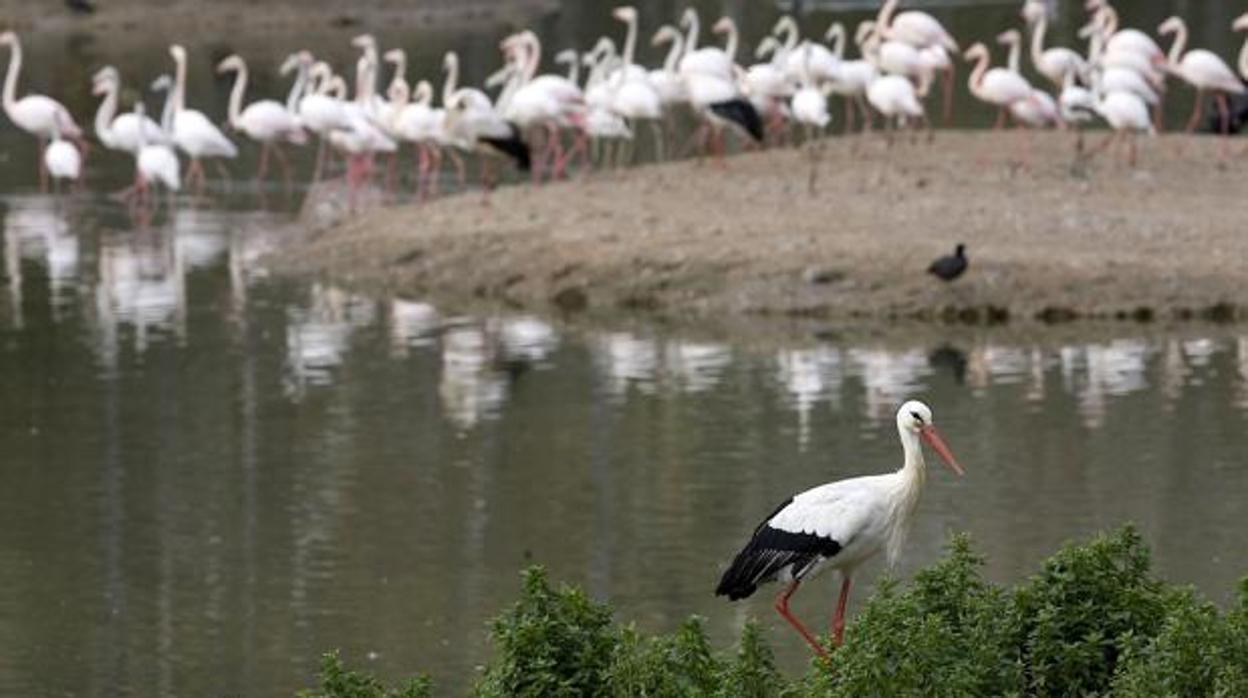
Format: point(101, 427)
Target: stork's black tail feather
point(742, 113)
point(513, 147)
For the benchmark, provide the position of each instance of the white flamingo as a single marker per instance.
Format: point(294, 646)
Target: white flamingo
point(37, 115)
point(1040, 109)
point(1203, 70)
point(321, 109)
point(999, 87)
point(635, 98)
point(193, 132)
point(265, 121)
point(118, 131)
point(61, 158)
point(666, 80)
point(1053, 63)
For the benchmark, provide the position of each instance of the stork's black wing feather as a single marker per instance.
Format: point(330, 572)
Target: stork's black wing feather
point(769, 551)
point(742, 113)
point(514, 147)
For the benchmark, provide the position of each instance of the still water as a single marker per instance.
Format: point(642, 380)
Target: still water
point(211, 476)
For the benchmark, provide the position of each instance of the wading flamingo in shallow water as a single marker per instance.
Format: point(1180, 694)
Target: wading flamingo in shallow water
point(37, 115)
point(838, 526)
point(194, 133)
point(266, 121)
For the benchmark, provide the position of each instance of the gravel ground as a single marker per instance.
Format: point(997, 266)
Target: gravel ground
point(1051, 241)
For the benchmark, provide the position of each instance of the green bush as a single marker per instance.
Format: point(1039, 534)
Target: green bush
point(552, 642)
point(1092, 622)
point(1088, 601)
point(338, 682)
point(949, 634)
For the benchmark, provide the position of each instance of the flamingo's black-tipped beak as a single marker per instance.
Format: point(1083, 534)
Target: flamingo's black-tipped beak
point(932, 438)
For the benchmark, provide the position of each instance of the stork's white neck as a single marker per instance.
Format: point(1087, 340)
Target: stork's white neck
point(909, 485)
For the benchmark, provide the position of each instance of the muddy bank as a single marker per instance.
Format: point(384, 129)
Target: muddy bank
point(1055, 242)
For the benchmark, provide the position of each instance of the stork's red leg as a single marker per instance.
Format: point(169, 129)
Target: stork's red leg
point(782, 606)
point(838, 620)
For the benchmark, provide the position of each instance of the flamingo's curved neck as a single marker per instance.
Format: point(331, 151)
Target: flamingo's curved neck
point(977, 73)
point(424, 93)
point(235, 109)
point(1180, 42)
point(630, 42)
point(104, 115)
point(1014, 61)
point(179, 83)
point(789, 28)
point(673, 54)
point(10, 78)
point(451, 61)
point(1243, 58)
point(296, 90)
point(885, 17)
point(1109, 25)
point(1037, 39)
point(730, 44)
point(535, 56)
point(363, 80)
point(836, 35)
point(691, 34)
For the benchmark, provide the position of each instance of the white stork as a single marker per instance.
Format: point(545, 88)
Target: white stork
point(839, 525)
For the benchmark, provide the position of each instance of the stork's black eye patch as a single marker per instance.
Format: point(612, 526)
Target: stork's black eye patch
point(917, 416)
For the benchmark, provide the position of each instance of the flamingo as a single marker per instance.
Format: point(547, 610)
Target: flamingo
point(854, 76)
point(1201, 69)
point(321, 109)
point(897, 100)
point(543, 101)
point(999, 87)
point(709, 60)
point(193, 133)
point(61, 159)
point(37, 115)
point(923, 32)
point(265, 121)
point(1054, 63)
point(810, 108)
point(1127, 115)
point(1039, 110)
point(1077, 105)
point(1241, 24)
point(838, 526)
point(155, 163)
point(666, 80)
point(635, 98)
point(119, 132)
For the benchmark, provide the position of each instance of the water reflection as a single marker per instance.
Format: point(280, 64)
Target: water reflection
point(277, 468)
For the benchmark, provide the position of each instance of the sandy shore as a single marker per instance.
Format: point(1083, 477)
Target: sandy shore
point(1167, 241)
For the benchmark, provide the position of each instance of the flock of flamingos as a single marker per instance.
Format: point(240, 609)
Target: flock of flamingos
point(544, 123)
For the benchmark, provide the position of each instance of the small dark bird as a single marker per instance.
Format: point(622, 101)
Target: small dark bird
point(80, 6)
point(951, 266)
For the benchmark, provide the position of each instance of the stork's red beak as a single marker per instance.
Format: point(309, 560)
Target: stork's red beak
point(932, 437)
